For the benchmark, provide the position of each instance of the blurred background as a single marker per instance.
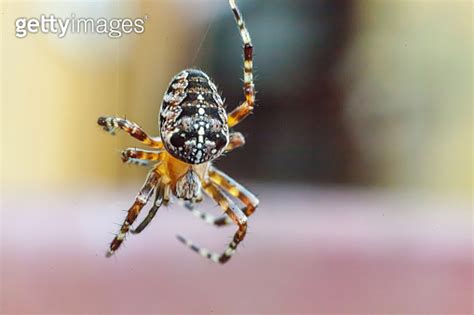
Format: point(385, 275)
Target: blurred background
point(360, 150)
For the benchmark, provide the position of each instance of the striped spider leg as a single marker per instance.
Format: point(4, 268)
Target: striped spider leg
point(236, 140)
point(242, 111)
point(234, 213)
point(141, 157)
point(140, 201)
point(111, 123)
point(159, 200)
point(232, 188)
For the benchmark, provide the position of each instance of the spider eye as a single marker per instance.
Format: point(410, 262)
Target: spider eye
point(177, 140)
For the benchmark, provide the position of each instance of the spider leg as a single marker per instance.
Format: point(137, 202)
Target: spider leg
point(159, 196)
point(140, 202)
point(236, 140)
point(111, 123)
point(140, 157)
point(233, 188)
point(167, 195)
point(234, 213)
point(242, 111)
point(209, 218)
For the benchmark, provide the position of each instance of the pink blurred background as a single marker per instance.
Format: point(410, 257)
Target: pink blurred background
point(309, 250)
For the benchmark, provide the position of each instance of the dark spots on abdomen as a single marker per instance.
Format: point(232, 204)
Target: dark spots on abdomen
point(177, 140)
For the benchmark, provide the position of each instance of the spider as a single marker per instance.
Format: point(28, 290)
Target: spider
point(194, 131)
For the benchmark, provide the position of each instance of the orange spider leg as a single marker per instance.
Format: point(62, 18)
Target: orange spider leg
point(236, 140)
point(141, 157)
point(242, 111)
point(233, 188)
point(237, 217)
point(140, 201)
point(111, 123)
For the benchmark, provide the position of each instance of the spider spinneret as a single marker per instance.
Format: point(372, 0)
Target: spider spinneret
point(194, 131)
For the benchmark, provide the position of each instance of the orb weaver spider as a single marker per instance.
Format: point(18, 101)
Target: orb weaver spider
point(194, 131)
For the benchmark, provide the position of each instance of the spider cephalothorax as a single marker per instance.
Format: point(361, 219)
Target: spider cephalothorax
point(194, 132)
point(192, 117)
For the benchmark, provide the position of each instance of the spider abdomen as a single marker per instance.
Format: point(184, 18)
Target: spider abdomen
point(193, 119)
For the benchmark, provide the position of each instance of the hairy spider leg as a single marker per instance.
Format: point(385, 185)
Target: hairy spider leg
point(111, 123)
point(236, 140)
point(242, 111)
point(234, 213)
point(233, 188)
point(159, 196)
point(137, 162)
point(140, 201)
point(207, 217)
point(141, 157)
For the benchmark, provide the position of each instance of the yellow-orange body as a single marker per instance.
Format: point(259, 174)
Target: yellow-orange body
point(171, 169)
